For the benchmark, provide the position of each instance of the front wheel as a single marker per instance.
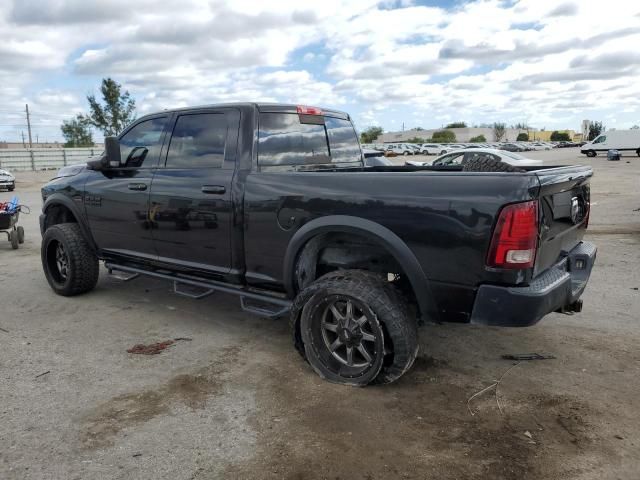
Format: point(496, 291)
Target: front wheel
point(638, 152)
point(20, 231)
point(355, 329)
point(591, 153)
point(69, 263)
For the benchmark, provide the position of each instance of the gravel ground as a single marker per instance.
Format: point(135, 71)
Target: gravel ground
point(238, 402)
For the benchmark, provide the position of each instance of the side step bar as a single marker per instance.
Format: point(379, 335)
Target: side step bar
point(264, 305)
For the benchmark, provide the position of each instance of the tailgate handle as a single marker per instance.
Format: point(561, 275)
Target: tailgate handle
point(137, 186)
point(214, 189)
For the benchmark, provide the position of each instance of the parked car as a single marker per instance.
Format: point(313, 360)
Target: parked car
point(621, 140)
point(400, 149)
point(540, 146)
point(511, 147)
point(434, 149)
point(7, 180)
point(460, 157)
point(272, 203)
point(375, 158)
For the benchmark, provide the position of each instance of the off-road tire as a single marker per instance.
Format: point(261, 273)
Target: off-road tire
point(387, 304)
point(83, 269)
point(488, 165)
point(20, 231)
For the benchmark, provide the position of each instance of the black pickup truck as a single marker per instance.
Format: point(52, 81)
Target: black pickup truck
point(273, 203)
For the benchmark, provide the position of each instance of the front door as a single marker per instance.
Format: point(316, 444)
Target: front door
point(117, 200)
point(191, 195)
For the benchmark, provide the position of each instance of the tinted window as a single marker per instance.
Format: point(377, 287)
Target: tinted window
point(198, 141)
point(283, 140)
point(140, 146)
point(342, 140)
point(477, 156)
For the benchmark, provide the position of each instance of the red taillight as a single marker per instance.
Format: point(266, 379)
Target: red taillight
point(515, 237)
point(304, 110)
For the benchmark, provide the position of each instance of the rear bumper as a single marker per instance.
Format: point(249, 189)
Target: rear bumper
point(558, 288)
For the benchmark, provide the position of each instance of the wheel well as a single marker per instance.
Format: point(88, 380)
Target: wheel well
point(58, 213)
point(347, 251)
point(344, 251)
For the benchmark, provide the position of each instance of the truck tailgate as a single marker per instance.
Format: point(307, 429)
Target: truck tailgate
point(564, 205)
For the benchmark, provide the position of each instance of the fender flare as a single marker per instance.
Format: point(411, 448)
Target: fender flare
point(385, 237)
point(59, 199)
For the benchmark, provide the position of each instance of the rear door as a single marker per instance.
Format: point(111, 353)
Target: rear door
point(190, 206)
point(564, 210)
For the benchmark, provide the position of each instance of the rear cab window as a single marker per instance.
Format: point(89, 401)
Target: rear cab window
point(289, 141)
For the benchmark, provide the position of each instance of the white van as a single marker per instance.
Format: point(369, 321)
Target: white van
point(621, 140)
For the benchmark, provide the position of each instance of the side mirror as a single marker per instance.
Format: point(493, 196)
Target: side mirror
point(112, 152)
point(110, 158)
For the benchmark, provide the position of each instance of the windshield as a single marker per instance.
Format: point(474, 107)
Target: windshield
point(513, 155)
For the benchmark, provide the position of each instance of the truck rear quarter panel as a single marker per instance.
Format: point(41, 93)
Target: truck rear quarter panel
point(445, 219)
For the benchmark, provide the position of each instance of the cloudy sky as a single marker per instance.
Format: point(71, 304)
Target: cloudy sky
point(421, 63)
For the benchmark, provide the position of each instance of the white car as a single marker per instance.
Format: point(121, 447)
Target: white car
point(7, 180)
point(460, 156)
point(434, 149)
point(400, 150)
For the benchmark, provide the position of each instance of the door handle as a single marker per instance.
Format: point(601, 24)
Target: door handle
point(138, 186)
point(214, 189)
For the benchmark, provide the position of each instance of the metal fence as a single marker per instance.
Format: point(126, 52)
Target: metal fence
point(44, 158)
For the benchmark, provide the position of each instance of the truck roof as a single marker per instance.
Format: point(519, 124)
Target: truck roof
point(261, 106)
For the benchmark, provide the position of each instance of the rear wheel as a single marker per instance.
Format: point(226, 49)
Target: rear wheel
point(20, 231)
point(591, 153)
point(443, 152)
point(69, 263)
point(355, 329)
point(405, 153)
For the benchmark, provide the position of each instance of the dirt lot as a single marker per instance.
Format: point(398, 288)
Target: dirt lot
point(238, 402)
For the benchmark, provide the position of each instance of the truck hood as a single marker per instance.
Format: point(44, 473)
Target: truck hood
point(71, 170)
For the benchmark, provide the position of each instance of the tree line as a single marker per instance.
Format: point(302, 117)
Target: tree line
point(111, 115)
point(371, 134)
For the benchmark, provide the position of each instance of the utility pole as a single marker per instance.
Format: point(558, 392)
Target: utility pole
point(28, 125)
point(23, 145)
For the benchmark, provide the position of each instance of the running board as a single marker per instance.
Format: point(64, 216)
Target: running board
point(268, 306)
